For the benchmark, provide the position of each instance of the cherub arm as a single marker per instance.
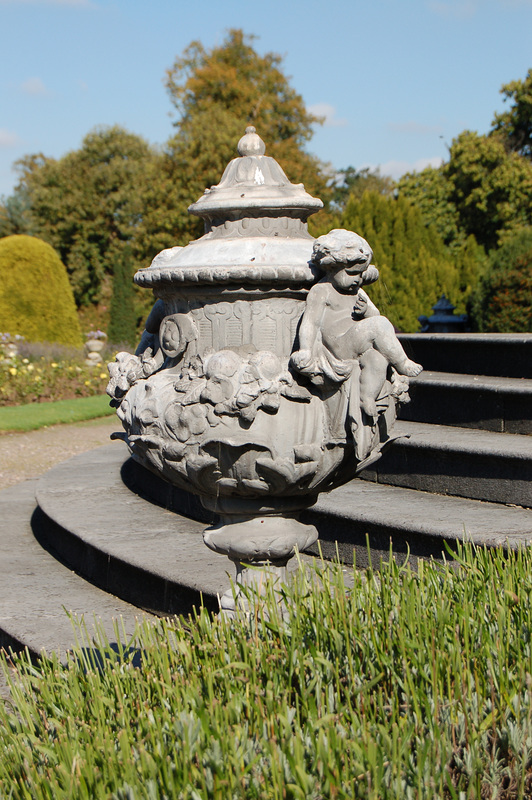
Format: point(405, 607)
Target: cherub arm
point(312, 316)
point(364, 306)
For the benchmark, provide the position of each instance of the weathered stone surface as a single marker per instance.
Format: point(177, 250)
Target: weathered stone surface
point(168, 547)
point(265, 373)
point(482, 402)
point(143, 553)
point(446, 460)
point(37, 591)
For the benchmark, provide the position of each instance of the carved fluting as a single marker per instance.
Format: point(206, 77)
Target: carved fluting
point(257, 225)
point(267, 323)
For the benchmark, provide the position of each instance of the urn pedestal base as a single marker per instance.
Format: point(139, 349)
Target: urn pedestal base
point(260, 547)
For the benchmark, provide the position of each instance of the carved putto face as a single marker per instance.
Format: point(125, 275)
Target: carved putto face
point(345, 256)
point(342, 248)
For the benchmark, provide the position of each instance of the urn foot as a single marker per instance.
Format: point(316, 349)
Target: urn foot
point(260, 547)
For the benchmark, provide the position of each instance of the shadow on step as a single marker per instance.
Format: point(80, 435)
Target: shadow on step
point(127, 581)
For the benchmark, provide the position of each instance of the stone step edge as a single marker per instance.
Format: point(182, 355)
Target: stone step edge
point(479, 465)
point(473, 441)
point(486, 383)
point(37, 593)
point(180, 563)
point(469, 353)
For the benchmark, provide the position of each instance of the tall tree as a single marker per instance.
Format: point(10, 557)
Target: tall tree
point(216, 94)
point(16, 216)
point(351, 182)
point(430, 191)
point(485, 188)
point(502, 301)
point(89, 204)
point(123, 323)
point(484, 191)
point(515, 124)
point(491, 188)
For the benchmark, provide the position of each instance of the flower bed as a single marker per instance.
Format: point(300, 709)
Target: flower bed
point(35, 373)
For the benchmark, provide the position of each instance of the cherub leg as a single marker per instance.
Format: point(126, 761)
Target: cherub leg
point(373, 369)
point(379, 333)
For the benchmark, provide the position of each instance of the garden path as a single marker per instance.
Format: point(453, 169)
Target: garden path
point(28, 455)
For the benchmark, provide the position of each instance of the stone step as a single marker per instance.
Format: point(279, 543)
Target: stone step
point(136, 548)
point(494, 467)
point(502, 405)
point(373, 520)
point(501, 354)
point(37, 591)
point(124, 544)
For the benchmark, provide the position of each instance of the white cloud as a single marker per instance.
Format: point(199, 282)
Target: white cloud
point(397, 168)
point(34, 86)
point(416, 128)
point(8, 138)
point(327, 111)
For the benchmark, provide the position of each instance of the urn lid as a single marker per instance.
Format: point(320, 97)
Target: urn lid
point(254, 181)
point(255, 230)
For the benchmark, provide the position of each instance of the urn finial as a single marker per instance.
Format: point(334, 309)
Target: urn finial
point(251, 144)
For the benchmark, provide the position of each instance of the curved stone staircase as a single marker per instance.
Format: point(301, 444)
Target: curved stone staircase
point(98, 535)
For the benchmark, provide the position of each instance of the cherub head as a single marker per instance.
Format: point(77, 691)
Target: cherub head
point(346, 257)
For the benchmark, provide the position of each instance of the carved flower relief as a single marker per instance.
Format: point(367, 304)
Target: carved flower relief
point(186, 421)
point(176, 333)
point(181, 420)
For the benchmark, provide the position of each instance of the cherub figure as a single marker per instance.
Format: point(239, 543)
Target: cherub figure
point(340, 322)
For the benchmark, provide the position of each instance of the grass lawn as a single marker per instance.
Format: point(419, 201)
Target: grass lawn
point(39, 415)
point(412, 685)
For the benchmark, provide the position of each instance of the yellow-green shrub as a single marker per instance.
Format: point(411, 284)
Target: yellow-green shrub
point(36, 300)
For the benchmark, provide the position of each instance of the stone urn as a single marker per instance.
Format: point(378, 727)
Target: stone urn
point(93, 348)
point(244, 390)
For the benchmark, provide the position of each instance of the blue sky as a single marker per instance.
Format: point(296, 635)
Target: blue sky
point(396, 79)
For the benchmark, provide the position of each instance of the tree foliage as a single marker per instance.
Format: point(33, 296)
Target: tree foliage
point(351, 182)
point(123, 323)
point(430, 191)
point(491, 188)
point(515, 124)
point(35, 296)
point(484, 191)
point(216, 94)
point(502, 302)
point(415, 266)
point(485, 188)
point(89, 204)
point(15, 214)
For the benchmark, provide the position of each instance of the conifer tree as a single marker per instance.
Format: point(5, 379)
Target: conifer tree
point(415, 266)
point(123, 324)
point(35, 296)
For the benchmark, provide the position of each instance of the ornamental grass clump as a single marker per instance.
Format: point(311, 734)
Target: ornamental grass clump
point(405, 685)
